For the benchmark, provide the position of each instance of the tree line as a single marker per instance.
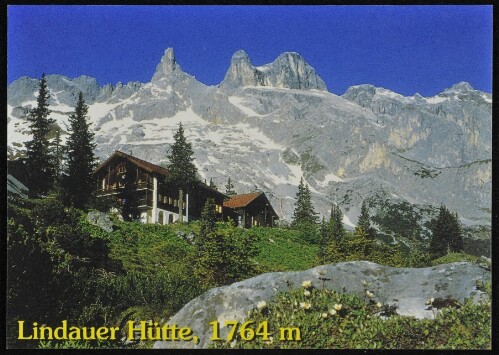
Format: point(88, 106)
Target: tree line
point(446, 231)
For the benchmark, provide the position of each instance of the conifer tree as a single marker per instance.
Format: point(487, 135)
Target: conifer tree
point(304, 212)
point(365, 221)
point(181, 169)
point(229, 188)
point(222, 256)
point(336, 223)
point(58, 157)
point(331, 233)
point(79, 182)
point(325, 239)
point(446, 233)
point(456, 242)
point(212, 184)
point(39, 160)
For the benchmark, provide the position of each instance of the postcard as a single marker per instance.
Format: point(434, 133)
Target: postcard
point(236, 177)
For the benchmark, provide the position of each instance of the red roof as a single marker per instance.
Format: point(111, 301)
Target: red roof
point(238, 201)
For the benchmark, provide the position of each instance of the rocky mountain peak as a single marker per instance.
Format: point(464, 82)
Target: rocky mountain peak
point(167, 65)
point(241, 72)
point(461, 87)
point(240, 56)
point(289, 70)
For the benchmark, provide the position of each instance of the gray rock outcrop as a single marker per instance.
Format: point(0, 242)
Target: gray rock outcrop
point(101, 220)
point(289, 70)
point(408, 289)
point(15, 187)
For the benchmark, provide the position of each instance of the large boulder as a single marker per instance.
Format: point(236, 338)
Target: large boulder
point(407, 288)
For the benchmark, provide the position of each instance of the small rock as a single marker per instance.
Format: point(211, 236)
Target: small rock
point(101, 220)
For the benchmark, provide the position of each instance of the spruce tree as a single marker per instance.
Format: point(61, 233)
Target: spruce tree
point(229, 188)
point(222, 256)
point(456, 243)
point(304, 212)
point(208, 220)
point(39, 160)
point(58, 157)
point(365, 221)
point(181, 169)
point(79, 182)
point(212, 184)
point(336, 223)
point(446, 233)
point(331, 234)
point(325, 239)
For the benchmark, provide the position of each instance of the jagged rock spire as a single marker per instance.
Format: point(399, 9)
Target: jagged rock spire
point(289, 70)
point(167, 65)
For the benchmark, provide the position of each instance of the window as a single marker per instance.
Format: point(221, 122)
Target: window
point(165, 199)
point(218, 208)
point(170, 200)
point(183, 205)
point(175, 203)
point(121, 169)
point(160, 197)
point(104, 184)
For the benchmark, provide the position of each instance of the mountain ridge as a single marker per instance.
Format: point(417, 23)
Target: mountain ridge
point(267, 137)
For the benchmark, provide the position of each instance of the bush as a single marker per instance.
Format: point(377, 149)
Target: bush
point(225, 255)
point(455, 257)
point(358, 246)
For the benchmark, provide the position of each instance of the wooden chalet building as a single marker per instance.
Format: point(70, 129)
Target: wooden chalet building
point(252, 209)
point(124, 176)
point(142, 186)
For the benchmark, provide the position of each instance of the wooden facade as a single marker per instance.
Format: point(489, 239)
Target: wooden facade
point(141, 186)
point(251, 210)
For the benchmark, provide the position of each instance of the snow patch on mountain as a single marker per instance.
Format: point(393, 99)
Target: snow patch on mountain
point(238, 102)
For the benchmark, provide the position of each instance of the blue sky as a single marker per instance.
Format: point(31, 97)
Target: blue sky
point(406, 49)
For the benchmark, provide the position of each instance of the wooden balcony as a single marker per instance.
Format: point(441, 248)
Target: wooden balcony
point(144, 202)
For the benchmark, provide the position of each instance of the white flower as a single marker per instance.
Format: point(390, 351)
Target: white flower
point(324, 315)
point(337, 306)
point(332, 311)
point(306, 293)
point(379, 305)
point(306, 284)
point(431, 300)
point(305, 305)
point(364, 282)
point(369, 294)
point(261, 304)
